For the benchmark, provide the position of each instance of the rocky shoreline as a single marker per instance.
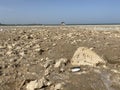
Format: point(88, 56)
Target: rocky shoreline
point(40, 58)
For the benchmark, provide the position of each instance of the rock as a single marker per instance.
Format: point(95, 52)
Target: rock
point(48, 63)
point(47, 83)
point(47, 72)
point(22, 53)
point(9, 46)
point(85, 56)
point(45, 38)
point(32, 85)
point(42, 89)
point(58, 86)
point(13, 60)
point(18, 48)
point(1, 29)
point(36, 84)
point(37, 48)
point(1, 54)
point(9, 52)
point(52, 87)
point(57, 64)
point(42, 59)
point(54, 44)
point(60, 62)
point(41, 51)
point(2, 47)
point(62, 69)
point(30, 36)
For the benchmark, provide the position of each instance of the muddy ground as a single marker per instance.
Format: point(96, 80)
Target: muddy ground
point(29, 55)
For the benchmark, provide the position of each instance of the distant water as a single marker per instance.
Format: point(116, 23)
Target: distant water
point(57, 24)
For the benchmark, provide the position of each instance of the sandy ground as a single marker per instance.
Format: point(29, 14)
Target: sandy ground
point(31, 55)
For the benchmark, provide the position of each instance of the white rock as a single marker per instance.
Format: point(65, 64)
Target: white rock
point(18, 48)
point(57, 64)
point(47, 63)
point(37, 49)
point(48, 83)
point(32, 85)
point(9, 46)
point(1, 29)
point(85, 56)
point(47, 72)
point(54, 44)
point(22, 53)
point(45, 38)
point(58, 86)
point(62, 69)
point(2, 47)
point(9, 52)
point(60, 61)
point(52, 87)
point(36, 84)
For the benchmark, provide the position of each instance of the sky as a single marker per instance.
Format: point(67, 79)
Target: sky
point(56, 11)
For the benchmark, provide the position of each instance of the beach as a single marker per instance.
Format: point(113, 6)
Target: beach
point(42, 55)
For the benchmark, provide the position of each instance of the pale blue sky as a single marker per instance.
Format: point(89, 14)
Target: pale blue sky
point(55, 11)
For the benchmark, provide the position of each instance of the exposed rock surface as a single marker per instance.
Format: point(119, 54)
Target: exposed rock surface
point(40, 58)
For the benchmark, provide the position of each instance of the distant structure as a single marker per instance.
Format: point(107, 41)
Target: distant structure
point(62, 23)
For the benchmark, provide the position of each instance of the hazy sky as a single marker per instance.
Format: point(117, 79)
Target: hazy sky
point(55, 11)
